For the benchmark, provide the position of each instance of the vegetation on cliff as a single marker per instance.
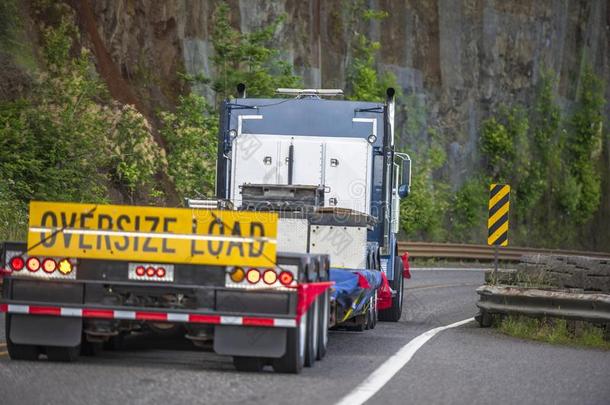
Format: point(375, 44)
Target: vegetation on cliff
point(63, 137)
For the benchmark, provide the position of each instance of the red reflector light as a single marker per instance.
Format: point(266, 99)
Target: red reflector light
point(33, 264)
point(160, 272)
point(150, 271)
point(253, 276)
point(49, 265)
point(17, 263)
point(269, 276)
point(140, 271)
point(286, 277)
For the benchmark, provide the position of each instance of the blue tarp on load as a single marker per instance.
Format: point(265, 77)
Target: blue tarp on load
point(347, 289)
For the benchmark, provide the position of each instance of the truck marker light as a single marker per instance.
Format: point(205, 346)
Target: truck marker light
point(253, 276)
point(150, 271)
point(286, 277)
point(269, 276)
point(64, 266)
point(17, 263)
point(49, 265)
point(160, 272)
point(33, 264)
point(237, 275)
point(140, 271)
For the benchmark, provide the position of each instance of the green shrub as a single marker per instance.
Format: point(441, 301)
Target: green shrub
point(190, 133)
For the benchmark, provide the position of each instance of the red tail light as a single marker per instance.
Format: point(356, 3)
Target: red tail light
point(286, 277)
point(33, 264)
point(140, 271)
point(160, 272)
point(150, 271)
point(253, 276)
point(17, 263)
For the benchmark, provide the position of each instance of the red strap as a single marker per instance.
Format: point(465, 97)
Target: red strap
point(384, 294)
point(406, 273)
point(363, 282)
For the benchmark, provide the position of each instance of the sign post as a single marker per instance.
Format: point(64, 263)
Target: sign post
point(497, 222)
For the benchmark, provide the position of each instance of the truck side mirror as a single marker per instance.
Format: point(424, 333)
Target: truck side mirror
point(405, 184)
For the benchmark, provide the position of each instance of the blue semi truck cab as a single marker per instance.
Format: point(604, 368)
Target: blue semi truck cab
point(317, 156)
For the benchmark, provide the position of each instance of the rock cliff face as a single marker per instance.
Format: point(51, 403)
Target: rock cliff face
point(456, 60)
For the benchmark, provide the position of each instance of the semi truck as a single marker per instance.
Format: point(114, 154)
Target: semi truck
point(300, 238)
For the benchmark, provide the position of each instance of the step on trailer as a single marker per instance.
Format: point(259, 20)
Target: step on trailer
point(301, 238)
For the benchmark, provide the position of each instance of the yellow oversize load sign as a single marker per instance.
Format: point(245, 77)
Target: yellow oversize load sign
point(151, 234)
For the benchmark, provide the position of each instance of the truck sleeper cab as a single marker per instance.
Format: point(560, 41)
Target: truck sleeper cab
point(343, 149)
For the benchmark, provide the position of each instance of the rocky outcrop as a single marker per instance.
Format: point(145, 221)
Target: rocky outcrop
point(456, 61)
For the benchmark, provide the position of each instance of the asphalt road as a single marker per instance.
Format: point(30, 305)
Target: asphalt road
point(461, 365)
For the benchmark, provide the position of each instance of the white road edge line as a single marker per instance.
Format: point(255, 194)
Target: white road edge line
point(393, 365)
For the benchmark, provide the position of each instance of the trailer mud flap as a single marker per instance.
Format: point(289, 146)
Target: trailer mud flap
point(250, 341)
point(45, 330)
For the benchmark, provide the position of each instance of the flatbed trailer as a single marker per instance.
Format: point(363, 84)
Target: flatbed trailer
point(262, 272)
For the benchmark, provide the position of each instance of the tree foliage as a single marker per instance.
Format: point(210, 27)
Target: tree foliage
point(249, 58)
point(190, 133)
point(364, 81)
point(68, 141)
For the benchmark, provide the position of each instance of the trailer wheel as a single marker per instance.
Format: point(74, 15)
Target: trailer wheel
point(394, 313)
point(311, 342)
point(91, 348)
point(19, 352)
point(292, 361)
point(248, 364)
point(63, 354)
point(323, 318)
point(372, 312)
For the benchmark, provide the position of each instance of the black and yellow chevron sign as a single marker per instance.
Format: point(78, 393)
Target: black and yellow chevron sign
point(497, 223)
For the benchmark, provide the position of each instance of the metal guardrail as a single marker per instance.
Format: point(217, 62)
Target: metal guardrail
point(482, 252)
point(593, 308)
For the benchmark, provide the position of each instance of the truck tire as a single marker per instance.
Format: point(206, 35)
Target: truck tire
point(248, 364)
point(394, 313)
point(323, 319)
point(90, 348)
point(292, 361)
point(311, 345)
point(372, 312)
point(63, 354)
point(19, 352)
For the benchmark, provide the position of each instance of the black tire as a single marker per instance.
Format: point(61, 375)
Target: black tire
point(63, 354)
point(19, 352)
point(372, 312)
point(90, 348)
point(248, 364)
point(359, 323)
point(114, 342)
point(323, 317)
point(394, 313)
point(292, 361)
point(375, 311)
point(311, 344)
